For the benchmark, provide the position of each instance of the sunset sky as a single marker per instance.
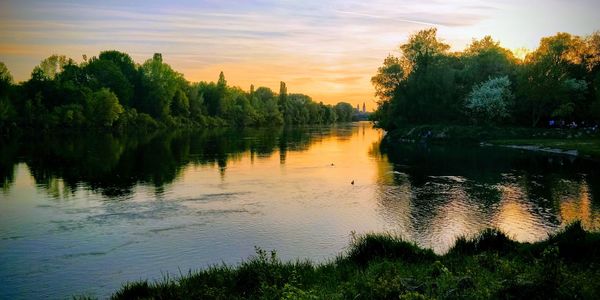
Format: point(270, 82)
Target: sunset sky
point(326, 49)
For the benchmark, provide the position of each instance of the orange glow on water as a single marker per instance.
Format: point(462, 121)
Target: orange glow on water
point(514, 216)
point(578, 207)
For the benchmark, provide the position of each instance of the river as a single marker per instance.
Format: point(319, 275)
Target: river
point(80, 214)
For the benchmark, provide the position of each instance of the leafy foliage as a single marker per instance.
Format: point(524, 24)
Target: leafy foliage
point(104, 107)
point(490, 100)
point(487, 83)
point(112, 91)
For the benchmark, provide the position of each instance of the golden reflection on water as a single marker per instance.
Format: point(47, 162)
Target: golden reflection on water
point(577, 206)
point(452, 220)
point(336, 156)
point(435, 213)
point(199, 198)
point(514, 216)
point(307, 182)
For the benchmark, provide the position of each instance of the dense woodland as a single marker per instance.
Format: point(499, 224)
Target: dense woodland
point(112, 91)
point(557, 84)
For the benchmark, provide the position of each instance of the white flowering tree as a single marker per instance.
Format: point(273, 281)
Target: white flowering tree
point(489, 100)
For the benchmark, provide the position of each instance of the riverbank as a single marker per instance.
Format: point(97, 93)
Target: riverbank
point(382, 266)
point(589, 148)
point(580, 142)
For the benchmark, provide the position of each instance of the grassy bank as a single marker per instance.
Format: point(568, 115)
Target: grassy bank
point(566, 265)
point(589, 147)
point(475, 134)
point(584, 141)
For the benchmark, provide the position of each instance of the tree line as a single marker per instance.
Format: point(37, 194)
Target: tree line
point(112, 91)
point(486, 84)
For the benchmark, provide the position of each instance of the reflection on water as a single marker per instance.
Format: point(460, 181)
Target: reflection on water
point(442, 192)
point(84, 213)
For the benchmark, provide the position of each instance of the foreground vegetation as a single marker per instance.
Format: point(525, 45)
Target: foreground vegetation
point(382, 266)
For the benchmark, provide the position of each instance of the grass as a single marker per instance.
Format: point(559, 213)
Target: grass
point(584, 140)
point(383, 266)
point(462, 133)
point(587, 147)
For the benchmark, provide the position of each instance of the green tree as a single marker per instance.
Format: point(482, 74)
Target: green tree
point(296, 108)
point(124, 62)
point(160, 83)
point(266, 103)
point(105, 73)
point(430, 93)
point(52, 66)
point(427, 84)
point(6, 78)
point(543, 86)
point(214, 95)
point(489, 101)
point(104, 108)
point(573, 93)
point(282, 102)
point(344, 111)
point(196, 101)
point(592, 62)
point(180, 104)
point(485, 59)
point(389, 77)
point(329, 113)
point(423, 48)
point(239, 110)
point(7, 111)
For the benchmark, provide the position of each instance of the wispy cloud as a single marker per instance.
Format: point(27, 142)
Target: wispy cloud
point(388, 18)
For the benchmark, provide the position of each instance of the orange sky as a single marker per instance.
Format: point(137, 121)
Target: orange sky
point(326, 49)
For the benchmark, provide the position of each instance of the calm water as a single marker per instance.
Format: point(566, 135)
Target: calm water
point(83, 214)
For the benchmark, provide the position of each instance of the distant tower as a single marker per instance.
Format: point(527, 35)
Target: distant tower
point(357, 108)
point(364, 108)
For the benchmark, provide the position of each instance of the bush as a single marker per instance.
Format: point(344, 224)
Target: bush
point(370, 247)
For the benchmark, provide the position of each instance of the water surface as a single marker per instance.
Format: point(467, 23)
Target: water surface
point(83, 213)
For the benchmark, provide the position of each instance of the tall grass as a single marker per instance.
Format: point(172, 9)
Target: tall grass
point(384, 266)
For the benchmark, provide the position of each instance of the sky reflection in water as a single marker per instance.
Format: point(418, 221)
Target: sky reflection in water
point(82, 214)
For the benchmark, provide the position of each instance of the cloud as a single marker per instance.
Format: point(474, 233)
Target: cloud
point(428, 19)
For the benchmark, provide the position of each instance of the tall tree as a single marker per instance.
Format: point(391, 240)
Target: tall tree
point(423, 48)
point(484, 59)
point(160, 83)
point(546, 78)
point(389, 77)
point(6, 78)
point(344, 111)
point(52, 66)
point(6, 108)
point(124, 62)
point(105, 73)
point(282, 102)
